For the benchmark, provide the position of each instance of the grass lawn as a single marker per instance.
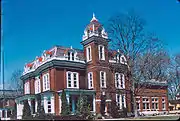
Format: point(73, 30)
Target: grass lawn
point(172, 117)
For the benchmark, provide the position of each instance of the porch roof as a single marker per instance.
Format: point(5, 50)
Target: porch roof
point(25, 97)
point(78, 91)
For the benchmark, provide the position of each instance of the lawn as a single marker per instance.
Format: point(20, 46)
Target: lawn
point(172, 117)
point(165, 117)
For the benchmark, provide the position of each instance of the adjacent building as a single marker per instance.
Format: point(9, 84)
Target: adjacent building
point(152, 97)
point(7, 103)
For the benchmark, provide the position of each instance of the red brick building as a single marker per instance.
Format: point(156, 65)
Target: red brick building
point(152, 97)
point(90, 72)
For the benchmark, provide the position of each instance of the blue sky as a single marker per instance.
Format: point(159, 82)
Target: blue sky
point(31, 26)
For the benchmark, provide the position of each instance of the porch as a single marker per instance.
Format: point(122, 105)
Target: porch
point(72, 96)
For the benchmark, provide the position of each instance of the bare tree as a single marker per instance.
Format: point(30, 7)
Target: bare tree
point(174, 77)
point(17, 83)
point(144, 52)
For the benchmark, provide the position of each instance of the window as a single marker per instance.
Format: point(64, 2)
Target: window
point(138, 103)
point(123, 60)
point(90, 80)
point(103, 79)
point(101, 52)
point(146, 104)
point(154, 103)
point(120, 100)
point(119, 81)
point(72, 79)
point(46, 82)
point(71, 56)
point(26, 88)
point(88, 53)
point(49, 106)
point(163, 103)
point(37, 85)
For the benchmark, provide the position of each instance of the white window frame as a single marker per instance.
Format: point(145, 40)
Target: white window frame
point(37, 85)
point(163, 103)
point(46, 82)
point(75, 53)
point(88, 54)
point(146, 101)
point(90, 80)
point(119, 100)
point(121, 59)
point(103, 52)
point(27, 88)
point(72, 79)
point(138, 102)
point(104, 79)
point(154, 103)
point(119, 81)
point(49, 100)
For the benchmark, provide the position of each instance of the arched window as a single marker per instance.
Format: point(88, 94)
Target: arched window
point(123, 60)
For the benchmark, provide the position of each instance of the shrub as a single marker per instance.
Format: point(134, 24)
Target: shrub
point(65, 109)
point(114, 110)
point(26, 111)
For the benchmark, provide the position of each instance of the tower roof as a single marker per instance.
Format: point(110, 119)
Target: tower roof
point(93, 18)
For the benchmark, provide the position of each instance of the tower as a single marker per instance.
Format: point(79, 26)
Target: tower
point(95, 44)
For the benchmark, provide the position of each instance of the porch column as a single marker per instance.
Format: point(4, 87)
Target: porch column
point(36, 104)
point(60, 104)
point(5, 113)
point(0, 113)
point(67, 97)
point(73, 104)
point(52, 104)
point(45, 105)
point(29, 101)
point(94, 103)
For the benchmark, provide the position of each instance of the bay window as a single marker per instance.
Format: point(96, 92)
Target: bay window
point(119, 81)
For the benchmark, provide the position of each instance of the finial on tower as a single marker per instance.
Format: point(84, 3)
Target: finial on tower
point(94, 18)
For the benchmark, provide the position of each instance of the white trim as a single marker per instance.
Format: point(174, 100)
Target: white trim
point(37, 85)
point(112, 61)
point(90, 80)
point(72, 79)
point(98, 100)
point(125, 61)
point(103, 52)
point(104, 79)
point(88, 54)
point(27, 88)
point(46, 82)
point(108, 100)
point(26, 70)
point(119, 80)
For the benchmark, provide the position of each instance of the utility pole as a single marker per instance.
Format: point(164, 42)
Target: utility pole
point(2, 54)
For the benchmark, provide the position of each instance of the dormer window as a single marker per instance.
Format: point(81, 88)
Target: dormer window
point(101, 52)
point(71, 56)
point(123, 60)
